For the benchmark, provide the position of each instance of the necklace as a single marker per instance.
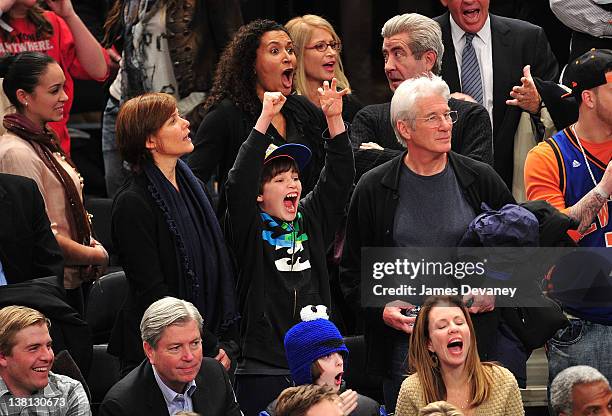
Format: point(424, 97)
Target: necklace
point(573, 128)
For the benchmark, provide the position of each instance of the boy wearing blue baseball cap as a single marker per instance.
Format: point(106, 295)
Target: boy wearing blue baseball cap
point(280, 240)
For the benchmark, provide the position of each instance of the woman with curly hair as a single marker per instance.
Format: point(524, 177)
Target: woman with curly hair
point(260, 58)
point(443, 358)
point(318, 47)
point(59, 33)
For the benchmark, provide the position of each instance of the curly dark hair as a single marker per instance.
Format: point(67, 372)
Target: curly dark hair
point(235, 77)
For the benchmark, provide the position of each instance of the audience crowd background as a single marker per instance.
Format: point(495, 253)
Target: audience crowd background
point(303, 153)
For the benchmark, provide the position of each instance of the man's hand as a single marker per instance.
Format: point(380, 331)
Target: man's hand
point(526, 95)
point(463, 97)
point(393, 317)
point(479, 303)
point(585, 210)
point(370, 146)
point(606, 181)
point(224, 359)
point(348, 402)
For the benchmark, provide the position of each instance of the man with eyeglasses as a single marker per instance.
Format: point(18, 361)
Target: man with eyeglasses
point(412, 46)
point(425, 197)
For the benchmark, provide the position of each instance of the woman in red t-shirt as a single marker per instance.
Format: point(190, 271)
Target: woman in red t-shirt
point(60, 33)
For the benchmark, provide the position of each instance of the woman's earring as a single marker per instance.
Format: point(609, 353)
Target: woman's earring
point(26, 103)
point(434, 359)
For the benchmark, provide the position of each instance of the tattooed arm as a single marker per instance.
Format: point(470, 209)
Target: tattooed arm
point(587, 208)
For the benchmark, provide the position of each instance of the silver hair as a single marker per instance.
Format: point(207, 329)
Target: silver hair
point(424, 33)
point(404, 101)
point(563, 385)
point(163, 313)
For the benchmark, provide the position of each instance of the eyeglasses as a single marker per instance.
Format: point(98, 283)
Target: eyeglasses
point(435, 120)
point(322, 46)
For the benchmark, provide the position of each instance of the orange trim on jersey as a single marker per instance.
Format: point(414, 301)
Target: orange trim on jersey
point(560, 163)
point(608, 239)
point(572, 138)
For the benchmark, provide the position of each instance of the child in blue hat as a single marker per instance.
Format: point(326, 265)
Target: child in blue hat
point(316, 353)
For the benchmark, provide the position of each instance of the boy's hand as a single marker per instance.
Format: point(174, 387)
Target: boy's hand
point(348, 402)
point(331, 99)
point(272, 103)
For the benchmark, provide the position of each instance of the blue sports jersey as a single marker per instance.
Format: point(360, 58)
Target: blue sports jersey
point(575, 182)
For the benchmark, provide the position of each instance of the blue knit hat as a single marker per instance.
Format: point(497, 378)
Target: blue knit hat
point(310, 340)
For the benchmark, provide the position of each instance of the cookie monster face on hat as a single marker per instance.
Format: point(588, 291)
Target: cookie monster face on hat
point(310, 340)
point(590, 70)
point(298, 152)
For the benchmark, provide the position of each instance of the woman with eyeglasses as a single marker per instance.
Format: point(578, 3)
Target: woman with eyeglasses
point(259, 58)
point(317, 48)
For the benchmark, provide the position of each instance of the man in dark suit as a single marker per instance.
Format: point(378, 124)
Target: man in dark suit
point(28, 248)
point(174, 377)
point(502, 47)
point(412, 46)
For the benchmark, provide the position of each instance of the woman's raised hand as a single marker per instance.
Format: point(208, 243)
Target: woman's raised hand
point(5, 5)
point(62, 8)
point(331, 99)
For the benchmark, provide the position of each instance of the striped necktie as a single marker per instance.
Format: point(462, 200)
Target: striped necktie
point(471, 83)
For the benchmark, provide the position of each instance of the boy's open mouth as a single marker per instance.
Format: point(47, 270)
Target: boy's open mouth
point(338, 378)
point(291, 201)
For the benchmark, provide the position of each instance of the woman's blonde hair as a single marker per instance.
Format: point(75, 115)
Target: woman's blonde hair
point(300, 29)
point(423, 363)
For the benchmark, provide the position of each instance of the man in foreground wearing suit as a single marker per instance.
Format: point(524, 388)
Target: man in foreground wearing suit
point(174, 377)
point(484, 56)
